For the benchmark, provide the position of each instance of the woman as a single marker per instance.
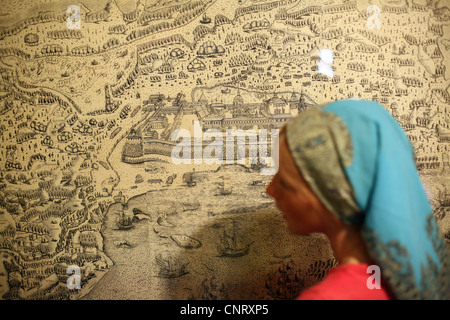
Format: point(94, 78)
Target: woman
point(347, 170)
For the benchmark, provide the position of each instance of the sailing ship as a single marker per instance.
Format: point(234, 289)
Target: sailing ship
point(232, 245)
point(190, 182)
point(170, 267)
point(213, 290)
point(285, 283)
point(223, 190)
point(444, 198)
point(124, 222)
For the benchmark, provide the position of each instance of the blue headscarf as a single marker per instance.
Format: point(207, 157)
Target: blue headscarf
point(361, 165)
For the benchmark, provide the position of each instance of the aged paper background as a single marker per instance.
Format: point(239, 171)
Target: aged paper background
point(87, 115)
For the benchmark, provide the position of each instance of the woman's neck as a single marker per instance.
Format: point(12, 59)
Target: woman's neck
point(348, 245)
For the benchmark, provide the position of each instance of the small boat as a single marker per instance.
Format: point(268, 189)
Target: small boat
point(139, 215)
point(170, 179)
point(122, 244)
point(191, 206)
point(160, 232)
point(258, 183)
point(122, 54)
point(186, 241)
point(162, 220)
point(205, 19)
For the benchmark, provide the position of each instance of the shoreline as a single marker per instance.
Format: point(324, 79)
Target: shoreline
point(90, 285)
point(99, 274)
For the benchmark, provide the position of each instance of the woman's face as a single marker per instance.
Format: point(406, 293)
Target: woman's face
point(301, 208)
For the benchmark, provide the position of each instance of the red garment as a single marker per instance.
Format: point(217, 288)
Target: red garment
point(345, 282)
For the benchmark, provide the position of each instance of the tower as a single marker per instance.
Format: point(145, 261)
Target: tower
point(133, 147)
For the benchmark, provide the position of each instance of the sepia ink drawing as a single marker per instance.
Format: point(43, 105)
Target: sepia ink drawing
point(137, 138)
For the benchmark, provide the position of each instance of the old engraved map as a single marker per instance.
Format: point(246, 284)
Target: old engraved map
point(91, 93)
